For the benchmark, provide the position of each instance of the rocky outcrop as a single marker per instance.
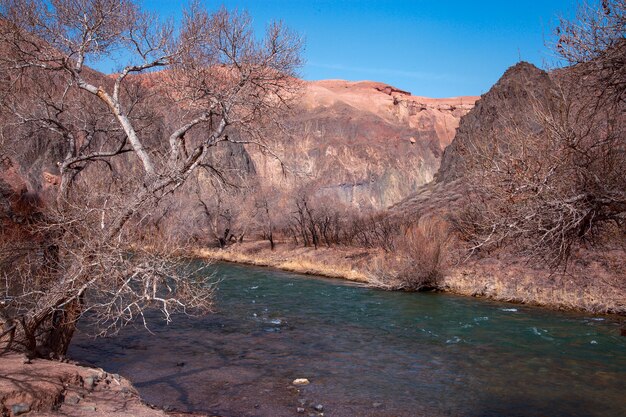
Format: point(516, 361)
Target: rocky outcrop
point(18, 204)
point(507, 104)
point(52, 388)
point(366, 144)
point(513, 112)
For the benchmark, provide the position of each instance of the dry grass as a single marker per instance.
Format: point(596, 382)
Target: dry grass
point(596, 285)
point(345, 263)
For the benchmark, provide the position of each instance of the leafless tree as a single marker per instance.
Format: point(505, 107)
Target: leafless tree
point(372, 230)
point(552, 177)
point(595, 42)
point(267, 210)
point(327, 220)
point(126, 143)
point(300, 219)
point(228, 208)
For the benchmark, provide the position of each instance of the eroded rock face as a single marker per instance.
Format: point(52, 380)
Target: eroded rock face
point(508, 103)
point(366, 144)
point(51, 388)
point(17, 202)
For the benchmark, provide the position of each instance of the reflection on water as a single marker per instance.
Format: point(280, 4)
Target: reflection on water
point(369, 353)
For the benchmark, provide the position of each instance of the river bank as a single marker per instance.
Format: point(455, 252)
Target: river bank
point(51, 388)
point(596, 285)
point(366, 353)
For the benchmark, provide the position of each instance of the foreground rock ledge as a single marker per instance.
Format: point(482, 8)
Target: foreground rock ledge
point(52, 388)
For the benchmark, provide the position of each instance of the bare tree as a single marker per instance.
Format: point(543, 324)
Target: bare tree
point(126, 143)
point(299, 219)
point(228, 209)
point(595, 42)
point(267, 205)
point(551, 177)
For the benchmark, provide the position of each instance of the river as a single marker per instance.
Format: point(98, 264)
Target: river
point(368, 353)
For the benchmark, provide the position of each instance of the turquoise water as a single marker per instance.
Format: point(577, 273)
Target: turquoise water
point(369, 353)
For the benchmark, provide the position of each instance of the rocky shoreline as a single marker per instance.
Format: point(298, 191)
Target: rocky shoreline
point(51, 388)
point(48, 388)
point(509, 280)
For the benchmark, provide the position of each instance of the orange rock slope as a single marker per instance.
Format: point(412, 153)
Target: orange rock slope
point(365, 143)
point(392, 105)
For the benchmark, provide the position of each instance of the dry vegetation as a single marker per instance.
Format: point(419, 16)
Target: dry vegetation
point(535, 209)
point(144, 160)
point(121, 147)
point(545, 213)
point(343, 262)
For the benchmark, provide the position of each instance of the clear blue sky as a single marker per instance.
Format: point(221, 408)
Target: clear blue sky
point(431, 48)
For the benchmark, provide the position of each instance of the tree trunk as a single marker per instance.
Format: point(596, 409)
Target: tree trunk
point(62, 327)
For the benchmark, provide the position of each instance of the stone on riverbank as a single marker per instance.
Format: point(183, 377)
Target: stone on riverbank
point(51, 388)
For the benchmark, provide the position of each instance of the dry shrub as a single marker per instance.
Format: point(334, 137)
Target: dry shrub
point(419, 260)
point(547, 177)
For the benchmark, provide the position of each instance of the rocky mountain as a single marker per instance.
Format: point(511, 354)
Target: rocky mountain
point(366, 144)
point(506, 105)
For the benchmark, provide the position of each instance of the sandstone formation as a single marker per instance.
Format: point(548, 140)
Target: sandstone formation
point(506, 104)
point(366, 144)
point(594, 280)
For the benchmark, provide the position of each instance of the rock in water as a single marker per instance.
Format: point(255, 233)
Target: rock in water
point(301, 381)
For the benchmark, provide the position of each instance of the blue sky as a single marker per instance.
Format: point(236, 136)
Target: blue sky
point(430, 48)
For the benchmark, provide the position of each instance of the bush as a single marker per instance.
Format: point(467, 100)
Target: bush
point(420, 257)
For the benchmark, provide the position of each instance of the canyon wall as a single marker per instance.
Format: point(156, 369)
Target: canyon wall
point(366, 144)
